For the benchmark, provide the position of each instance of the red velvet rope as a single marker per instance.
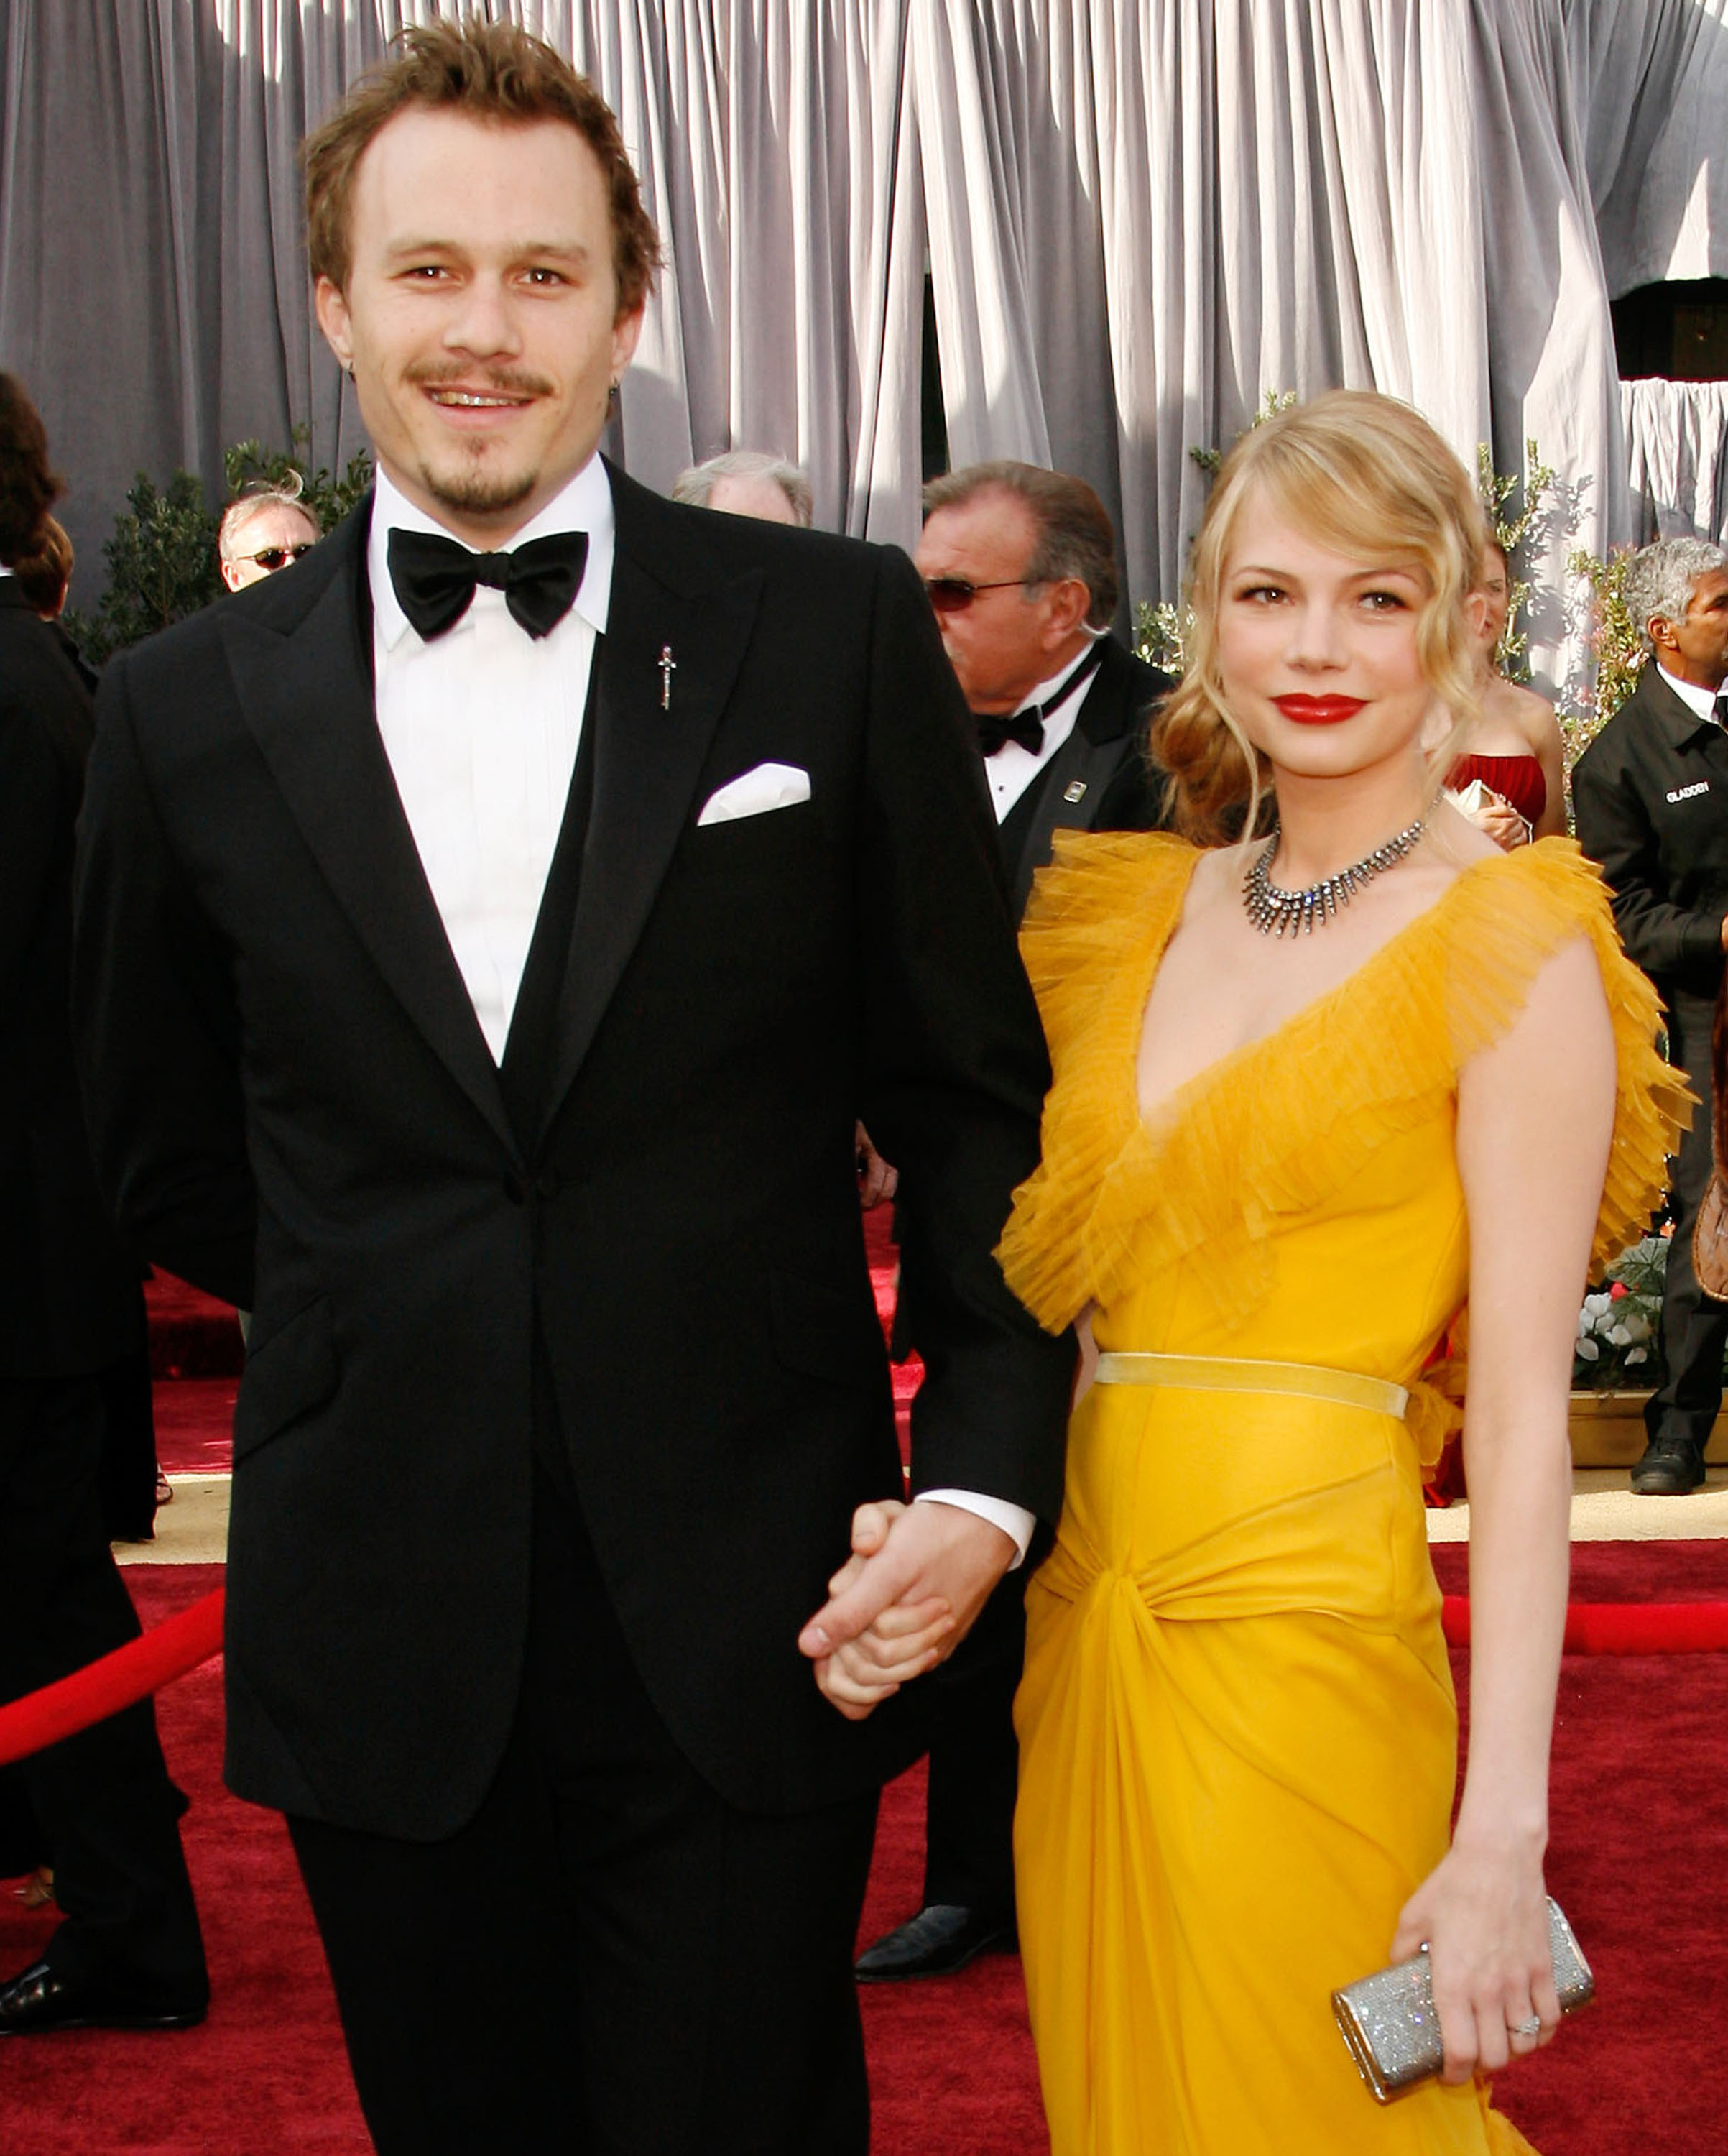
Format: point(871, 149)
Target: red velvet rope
point(142, 1665)
point(1620, 1627)
point(171, 1650)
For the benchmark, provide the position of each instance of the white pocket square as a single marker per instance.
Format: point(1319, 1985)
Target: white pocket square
point(754, 792)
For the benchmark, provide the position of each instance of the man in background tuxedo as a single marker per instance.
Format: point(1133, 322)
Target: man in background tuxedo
point(1020, 566)
point(128, 1952)
point(490, 928)
point(1651, 798)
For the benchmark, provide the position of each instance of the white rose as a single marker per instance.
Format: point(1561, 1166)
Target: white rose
point(1588, 1350)
point(1636, 1355)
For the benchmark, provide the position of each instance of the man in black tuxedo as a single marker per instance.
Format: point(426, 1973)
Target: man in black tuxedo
point(1020, 566)
point(1651, 798)
point(128, 1952)
point(490, 929)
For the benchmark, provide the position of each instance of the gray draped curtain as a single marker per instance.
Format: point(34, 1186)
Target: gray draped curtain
point(1145, 219)
point(1651, 79)
point(1677, 440)
point(1137, 220)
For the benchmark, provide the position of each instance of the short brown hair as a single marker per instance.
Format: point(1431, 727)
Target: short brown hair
point(1075, 537)
point(491, 71)
point(29, 486)
point(45, 571)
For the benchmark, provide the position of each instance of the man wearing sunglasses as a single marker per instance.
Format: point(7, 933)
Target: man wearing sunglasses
point(263, 531)
point(1019, 564)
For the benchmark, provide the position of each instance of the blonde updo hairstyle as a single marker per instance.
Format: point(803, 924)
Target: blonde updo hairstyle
point(1366, 477)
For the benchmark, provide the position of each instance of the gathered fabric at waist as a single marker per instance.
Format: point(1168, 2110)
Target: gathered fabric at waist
point(1236, 1374)
point(1219, 1487)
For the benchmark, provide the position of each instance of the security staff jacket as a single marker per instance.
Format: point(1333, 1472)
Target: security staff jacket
point(1650, 795)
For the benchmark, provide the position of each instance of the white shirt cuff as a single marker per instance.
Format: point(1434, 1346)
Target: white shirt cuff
point(1014, 1520)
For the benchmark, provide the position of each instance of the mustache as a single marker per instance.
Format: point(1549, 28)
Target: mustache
point(507, 381)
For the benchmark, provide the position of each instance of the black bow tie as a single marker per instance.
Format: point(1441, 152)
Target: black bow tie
point(435, 579)
point(996, 731)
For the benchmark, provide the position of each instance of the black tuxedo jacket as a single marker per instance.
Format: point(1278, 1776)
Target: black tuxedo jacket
point(1650, 795)
point(294, 1105)
point(68, 1297)
point(1102, 778)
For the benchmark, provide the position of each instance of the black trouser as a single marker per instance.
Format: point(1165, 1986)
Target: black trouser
point(607, 1960)
point(975, 1761)
point(1695, 1326)
point(108, 1812)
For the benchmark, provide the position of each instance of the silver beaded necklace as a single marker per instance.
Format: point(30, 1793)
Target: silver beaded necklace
point(1278, 912)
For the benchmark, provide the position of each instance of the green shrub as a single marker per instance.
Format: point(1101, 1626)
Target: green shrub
point(161, 559)
point(161, 567)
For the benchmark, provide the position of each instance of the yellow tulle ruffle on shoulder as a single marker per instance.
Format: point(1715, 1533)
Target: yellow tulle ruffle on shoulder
point(1116, 1200)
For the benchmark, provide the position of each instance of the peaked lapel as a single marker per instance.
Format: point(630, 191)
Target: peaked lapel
point(648, 757)
point(305, 684)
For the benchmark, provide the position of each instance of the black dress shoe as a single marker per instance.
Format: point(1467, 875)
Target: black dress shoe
point(936, 1942)
point(39, 2000)
point(1671, 1467)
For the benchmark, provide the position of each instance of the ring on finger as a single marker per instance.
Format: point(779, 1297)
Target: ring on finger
point(1532, 2027)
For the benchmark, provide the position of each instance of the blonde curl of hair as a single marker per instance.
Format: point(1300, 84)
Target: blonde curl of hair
point(1368, 478)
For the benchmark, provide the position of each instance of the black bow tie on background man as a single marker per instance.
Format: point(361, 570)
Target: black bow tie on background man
point(996, 729)
point(435, 579)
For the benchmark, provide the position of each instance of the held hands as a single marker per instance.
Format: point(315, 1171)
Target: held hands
point(1484, 1915)
point(903, 1601)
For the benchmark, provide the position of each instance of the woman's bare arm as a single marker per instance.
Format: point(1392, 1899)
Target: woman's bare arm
point(1536, 1115)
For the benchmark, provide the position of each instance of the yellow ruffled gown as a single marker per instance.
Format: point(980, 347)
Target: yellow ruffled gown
point(1238, 1728)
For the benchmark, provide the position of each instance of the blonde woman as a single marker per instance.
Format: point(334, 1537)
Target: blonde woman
point(1313, 1092)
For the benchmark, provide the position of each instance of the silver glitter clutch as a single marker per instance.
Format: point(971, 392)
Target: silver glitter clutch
point(1389, 2022)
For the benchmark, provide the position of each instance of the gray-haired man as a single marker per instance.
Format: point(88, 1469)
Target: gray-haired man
point(1651, 796)
point(749, 483)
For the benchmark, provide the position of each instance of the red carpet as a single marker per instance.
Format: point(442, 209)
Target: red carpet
point(195, 1424)
point(191, 1335)
point(1641, 1846)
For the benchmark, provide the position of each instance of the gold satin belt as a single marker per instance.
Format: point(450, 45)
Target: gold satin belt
point(1230, 1373)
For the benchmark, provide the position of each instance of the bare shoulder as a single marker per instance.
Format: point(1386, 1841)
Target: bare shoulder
point(1534, 716)
point(1216, 883)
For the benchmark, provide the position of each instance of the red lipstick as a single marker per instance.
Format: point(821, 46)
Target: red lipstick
point(1318, 710)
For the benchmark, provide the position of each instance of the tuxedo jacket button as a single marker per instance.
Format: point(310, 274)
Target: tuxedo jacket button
point(516, 1190)
point(547, 1184)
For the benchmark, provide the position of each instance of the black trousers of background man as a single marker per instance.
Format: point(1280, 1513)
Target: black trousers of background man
point(609, 1960)
point(1695, 1326)
point(109, 1814)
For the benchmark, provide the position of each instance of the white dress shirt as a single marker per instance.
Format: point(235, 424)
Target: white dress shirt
point(1701, 701)
point(1012, 768)
point(481, 728)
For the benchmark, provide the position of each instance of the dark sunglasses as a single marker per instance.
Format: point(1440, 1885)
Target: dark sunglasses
point(273, 558)
point(955, 594)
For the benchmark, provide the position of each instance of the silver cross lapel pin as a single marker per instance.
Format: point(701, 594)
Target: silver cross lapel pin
point(668, 667)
